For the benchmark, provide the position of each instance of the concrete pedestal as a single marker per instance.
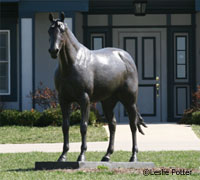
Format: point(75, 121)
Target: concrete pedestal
point(91, 165)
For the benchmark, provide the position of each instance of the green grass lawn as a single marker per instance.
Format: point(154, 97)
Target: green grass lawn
point(196, 129)
point(21, 166)
point(50, 134)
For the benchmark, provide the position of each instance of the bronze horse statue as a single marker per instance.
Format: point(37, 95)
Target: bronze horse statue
point(107, 75)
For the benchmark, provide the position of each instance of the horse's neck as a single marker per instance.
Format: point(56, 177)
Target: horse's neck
point(69, 51)
point(71, 41)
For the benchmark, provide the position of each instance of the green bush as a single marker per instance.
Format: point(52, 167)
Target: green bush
point(190, 117)
point(28, 118)
point(75, 118)
point(195, 117)
point(51, 116)
point(8, 117)
point(92, 118)
point(186, 118)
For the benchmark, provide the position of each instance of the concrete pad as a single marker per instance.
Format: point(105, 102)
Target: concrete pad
point(158, 137)
point(91, 165)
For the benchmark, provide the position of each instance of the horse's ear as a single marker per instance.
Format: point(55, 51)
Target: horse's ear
point(51, 17)
point(62, 16)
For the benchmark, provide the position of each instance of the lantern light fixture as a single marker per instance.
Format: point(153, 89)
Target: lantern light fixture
point(140, 7)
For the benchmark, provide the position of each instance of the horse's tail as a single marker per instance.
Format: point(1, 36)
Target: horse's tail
point(140, 121)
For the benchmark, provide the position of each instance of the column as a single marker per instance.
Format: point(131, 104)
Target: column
point(26, 63)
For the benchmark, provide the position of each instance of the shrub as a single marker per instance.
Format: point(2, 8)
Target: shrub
point(190, 114)
point(51, 116)
point(44, 97)
point(28, 118)
point(2, 105)
point(187, 115)
point(92, 118)
point(75, 118)
point(8, 117)
point(196, 99)
point(195, 118)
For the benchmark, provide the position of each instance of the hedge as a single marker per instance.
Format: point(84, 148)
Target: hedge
point(9, 117)
point(51, 116)
point(191, 118)
point(195, 118)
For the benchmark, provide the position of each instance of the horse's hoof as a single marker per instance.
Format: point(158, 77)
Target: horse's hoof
point(81, 158)
point(105, 159)
point(133, 159)
point(62, 159)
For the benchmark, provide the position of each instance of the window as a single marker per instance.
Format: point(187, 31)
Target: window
point(181, 57)
point(4, 62)
point(98, 41)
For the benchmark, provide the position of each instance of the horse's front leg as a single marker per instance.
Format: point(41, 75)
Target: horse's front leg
point(65, 108)
point(85, 111)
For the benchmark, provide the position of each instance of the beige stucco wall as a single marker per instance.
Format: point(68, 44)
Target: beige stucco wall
point(180, 19)
point(198, 48)
point(126, 20)
point(97, 20)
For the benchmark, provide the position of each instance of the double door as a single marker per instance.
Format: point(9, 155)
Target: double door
point(146, 48)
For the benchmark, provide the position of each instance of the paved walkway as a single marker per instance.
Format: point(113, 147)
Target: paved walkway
point(157, 137)
point(160, 137)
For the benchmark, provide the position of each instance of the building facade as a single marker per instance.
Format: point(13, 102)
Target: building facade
point(165, 44)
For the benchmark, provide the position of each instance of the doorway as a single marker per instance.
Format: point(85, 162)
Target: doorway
point(148, 49)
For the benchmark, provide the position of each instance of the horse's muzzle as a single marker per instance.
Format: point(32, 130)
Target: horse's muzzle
point(54, 53)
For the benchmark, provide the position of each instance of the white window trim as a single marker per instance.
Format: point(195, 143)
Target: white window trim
point(9, 57)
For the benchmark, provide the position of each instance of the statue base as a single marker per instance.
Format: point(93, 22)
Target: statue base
point(91, 165)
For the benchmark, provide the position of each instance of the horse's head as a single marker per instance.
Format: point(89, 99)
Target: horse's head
point(56, 34)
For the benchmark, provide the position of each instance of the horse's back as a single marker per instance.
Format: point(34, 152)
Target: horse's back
point(113, 62)
point(113, 70)
point(111, 56)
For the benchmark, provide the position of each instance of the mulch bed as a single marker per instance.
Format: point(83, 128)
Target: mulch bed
point(156, 171)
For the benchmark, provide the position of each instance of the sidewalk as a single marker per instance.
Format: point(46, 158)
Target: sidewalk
point(157, 137)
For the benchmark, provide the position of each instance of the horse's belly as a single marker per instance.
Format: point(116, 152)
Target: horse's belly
point(100, 94)
point(107, 81)
point(106, 87)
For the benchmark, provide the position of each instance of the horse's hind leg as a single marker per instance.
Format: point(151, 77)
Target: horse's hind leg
point(132, 113)
point(108, 106)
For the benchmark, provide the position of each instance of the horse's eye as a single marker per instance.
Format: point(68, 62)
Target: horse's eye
point(61, 27)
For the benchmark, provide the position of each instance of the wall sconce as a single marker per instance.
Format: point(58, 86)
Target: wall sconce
point(140, 7)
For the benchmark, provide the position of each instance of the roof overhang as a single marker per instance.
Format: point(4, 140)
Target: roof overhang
point(7, 1)
point(197, 5)
point(153, 6)
point(28, 7)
